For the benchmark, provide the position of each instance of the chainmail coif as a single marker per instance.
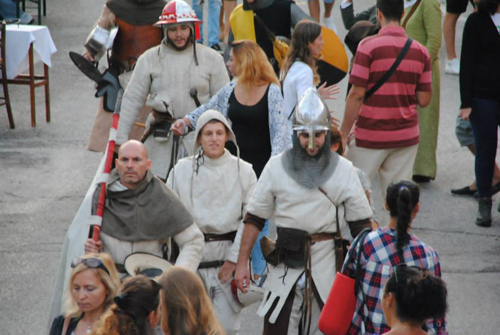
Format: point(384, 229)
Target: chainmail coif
point(310, 172)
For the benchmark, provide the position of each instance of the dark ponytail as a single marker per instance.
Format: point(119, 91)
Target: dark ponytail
point(402, 197)
point(419, 295)
point(138, 297)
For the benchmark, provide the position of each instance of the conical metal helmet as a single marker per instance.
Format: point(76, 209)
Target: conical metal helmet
point(311, 115)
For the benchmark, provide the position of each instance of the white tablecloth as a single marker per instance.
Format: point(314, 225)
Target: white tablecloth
point(18, 40)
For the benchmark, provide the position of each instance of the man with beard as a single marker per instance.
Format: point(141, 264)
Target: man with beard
point(250, 21)
point(174, 78)
point(142, 214)
point(306, 190)
point(136, 34)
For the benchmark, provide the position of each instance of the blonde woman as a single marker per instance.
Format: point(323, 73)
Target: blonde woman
point(185, 305)
point(93, 284)
point(252, 103)
point(299, 70)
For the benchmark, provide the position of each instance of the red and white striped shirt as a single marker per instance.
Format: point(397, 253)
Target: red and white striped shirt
point(389, 119)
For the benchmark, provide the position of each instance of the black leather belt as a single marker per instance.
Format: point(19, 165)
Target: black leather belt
point(211, 264)
point(222, 237)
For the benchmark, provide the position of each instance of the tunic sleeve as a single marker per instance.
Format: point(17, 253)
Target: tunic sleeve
point(262, 202)
point(134, 98)
point(249, 181)
point(191, 244)
point(356, 205)
point(219, 76)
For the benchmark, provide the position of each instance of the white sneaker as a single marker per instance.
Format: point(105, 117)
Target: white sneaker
point(453, 66)
point(330, 24)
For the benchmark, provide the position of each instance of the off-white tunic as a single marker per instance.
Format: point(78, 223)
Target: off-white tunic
point(295, 206)
point(168, 75)
point(217, 198)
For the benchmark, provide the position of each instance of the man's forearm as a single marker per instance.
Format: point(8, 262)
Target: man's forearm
point(250, 234)
point(353, 105)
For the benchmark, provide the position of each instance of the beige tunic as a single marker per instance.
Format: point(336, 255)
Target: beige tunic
point(294, 206)
point(164, 74)
point(217, 197)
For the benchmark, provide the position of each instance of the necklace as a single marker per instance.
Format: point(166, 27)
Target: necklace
point(89, 329)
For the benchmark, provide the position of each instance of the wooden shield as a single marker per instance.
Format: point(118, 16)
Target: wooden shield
point(333, 64)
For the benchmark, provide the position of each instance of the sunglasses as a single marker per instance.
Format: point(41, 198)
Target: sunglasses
point(93, 263)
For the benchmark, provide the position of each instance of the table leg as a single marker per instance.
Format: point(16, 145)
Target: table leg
point(32, 86)
point(47, 92)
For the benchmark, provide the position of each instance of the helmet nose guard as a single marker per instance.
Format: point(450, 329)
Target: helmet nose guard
point(311, 115)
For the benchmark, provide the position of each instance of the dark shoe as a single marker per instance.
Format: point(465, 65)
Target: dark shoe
point(483, 218)
point(421, 179)
point(464, 191)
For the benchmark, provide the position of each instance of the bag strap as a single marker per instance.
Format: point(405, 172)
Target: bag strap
point(338, 233)
point(391, 71)
point(412, 10)
point(360, 242)
point(65, 325)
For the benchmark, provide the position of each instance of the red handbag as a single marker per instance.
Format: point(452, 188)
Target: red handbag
point(337, 313)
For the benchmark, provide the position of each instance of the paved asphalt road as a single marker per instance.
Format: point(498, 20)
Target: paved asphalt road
point(45, 172)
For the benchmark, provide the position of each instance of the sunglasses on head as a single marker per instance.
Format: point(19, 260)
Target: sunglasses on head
point(93, 263)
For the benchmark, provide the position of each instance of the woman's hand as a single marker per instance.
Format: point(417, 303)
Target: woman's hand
point(180, 126)
point(328, 92)
point(226, 271)
point(465, 113)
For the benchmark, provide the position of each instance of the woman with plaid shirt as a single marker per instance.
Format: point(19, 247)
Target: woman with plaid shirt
point(382, 250)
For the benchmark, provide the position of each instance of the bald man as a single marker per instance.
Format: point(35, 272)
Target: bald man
point(142, 214)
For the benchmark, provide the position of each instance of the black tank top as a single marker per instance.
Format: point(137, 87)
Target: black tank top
point(251, 127)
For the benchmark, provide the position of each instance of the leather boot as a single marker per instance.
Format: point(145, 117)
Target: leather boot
point(483, 218)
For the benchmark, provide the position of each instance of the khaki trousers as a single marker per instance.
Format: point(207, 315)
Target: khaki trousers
point(392, 165)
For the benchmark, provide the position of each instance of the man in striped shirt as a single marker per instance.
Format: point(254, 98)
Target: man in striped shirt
point(385, 136)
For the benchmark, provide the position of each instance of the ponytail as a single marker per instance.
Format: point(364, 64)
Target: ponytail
point(402, 197)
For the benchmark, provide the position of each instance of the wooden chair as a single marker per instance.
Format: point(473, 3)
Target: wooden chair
point(30, 79)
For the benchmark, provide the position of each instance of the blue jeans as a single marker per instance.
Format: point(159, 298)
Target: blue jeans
point(485, 119)
point(214, 7)
point(8, 11)
point(258, 261)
